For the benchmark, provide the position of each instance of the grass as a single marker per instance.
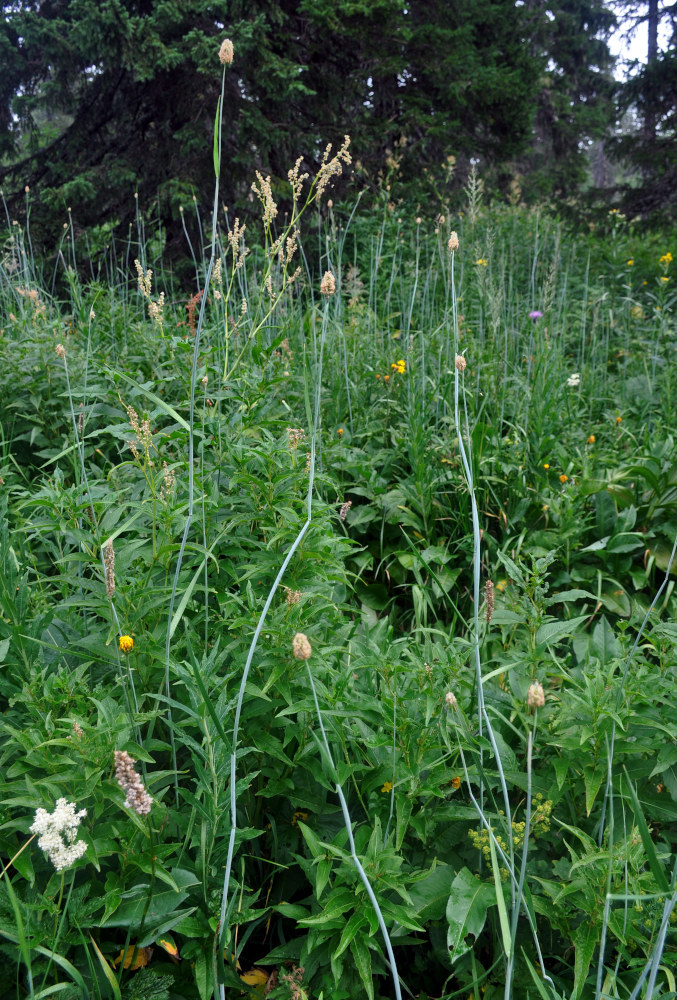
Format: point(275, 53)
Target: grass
point(454, 794)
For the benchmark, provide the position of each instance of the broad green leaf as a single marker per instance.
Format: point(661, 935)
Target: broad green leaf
point(593, 778)
point(467, 908)
point(552, 632)
point(429, 897)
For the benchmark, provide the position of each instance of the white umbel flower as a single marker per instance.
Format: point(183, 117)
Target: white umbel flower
point(58, 832)
point(574, 380)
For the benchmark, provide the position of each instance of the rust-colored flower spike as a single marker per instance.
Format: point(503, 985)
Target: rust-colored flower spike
point(301, 647)
point(489, 600)
point(129, 781)
point(60, 351)
point(328, 284)
point(226, 52)
point(536, 695)
point(453, 242)
point(109, 565)
point(460, 363)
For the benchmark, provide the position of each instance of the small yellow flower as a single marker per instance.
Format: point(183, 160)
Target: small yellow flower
point(386, 378)
point(664, 277)
point(546, 465)
point(126, 644)
point(618, 419)
point(340, 432)
point(378, 375)
point(591, 439)
point(563, 478)
point(387, 786)
point(482, 262)
point(665, 259)
point(456, 782)
point(630, 263)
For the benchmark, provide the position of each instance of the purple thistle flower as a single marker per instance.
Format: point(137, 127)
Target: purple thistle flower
point(536, 314)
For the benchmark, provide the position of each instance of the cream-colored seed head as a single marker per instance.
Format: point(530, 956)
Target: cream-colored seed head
point(461, 363)
point(453, 242)
point(301, 647)
point(226, 52)
point(328, 284)
point(536, 695)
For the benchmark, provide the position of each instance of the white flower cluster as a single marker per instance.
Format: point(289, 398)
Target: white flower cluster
point(58, 832)
point(574, 380)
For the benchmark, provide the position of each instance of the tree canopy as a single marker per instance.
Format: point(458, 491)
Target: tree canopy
point(104, 98)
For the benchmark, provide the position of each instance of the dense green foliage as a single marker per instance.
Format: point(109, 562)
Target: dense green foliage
point(435, 712)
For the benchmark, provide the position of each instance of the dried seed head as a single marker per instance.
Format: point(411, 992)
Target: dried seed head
point(109, 566)
point(293, 596)
point(489, 600)
point(60, 351)
point(450, 699)
point(129, 781)
point(460, 363)
point(301, 647)
point(328, 284)
point(345, 507)
point(536, 695)
point(453, 242)
point(226, 52)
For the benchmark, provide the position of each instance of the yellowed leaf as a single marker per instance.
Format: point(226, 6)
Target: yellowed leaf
point(254, 978)
point(141, 957)
point(168, 944)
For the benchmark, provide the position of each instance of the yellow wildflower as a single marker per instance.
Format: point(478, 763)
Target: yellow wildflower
point(126, 644)
point(563, 478)
point(483, 262)
point(387, 786)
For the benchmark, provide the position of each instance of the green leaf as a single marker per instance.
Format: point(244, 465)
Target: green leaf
point(585, 942)
point(217, 127)
point(355, 923)
point(500, 900)
point(593, 778)
point(604, 644)
point(466, 911)
point(644, 832)
point(169, 410)
point(362, 956)
point(552, 632)
point(429, 896)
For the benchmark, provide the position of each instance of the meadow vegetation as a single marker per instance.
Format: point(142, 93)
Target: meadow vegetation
point(337, 614)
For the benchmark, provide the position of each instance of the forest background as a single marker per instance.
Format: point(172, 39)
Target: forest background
point(100, 102)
